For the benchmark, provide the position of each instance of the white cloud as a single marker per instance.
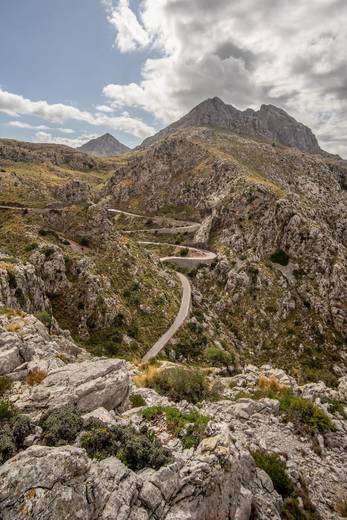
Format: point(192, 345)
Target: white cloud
point(131, 35)
point(21, 124)
point(28, 126)
point(66, 130)
point(105, 108)
point(46, 137)
point(58, 113)
point(290, 53)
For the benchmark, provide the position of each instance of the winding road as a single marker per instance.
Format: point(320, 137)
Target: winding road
point(193, 258)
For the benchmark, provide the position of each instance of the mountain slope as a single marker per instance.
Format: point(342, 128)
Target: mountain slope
point(104, 146)
point(262, 206)
point(270, 122)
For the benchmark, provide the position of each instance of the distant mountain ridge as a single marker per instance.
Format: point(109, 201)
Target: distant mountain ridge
point(269, 122)
point(104, 146)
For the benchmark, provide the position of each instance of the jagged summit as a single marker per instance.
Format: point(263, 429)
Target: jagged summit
point(104, 146)
point(269, 122)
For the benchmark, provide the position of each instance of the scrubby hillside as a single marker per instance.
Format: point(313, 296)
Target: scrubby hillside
point(242, 414)
point(276, 217)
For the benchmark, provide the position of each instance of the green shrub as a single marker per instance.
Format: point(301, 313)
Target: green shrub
point(5, 384)
point(48, 252)
point(13, 431)
point(12, 281)
point(31, 247)
point(280, 257)
point(219, 357)
point(276, 468)
point(84, 241)
point(45, 317)
point(7, 410)
point(137, 450)
point(184, 251)
point(7, 444)
point(44, 232)
point(291, 510)
point(180, 383)
point(21, 427)
point(306, 416)
point(314, 375)
point(137, 400)
point(61, 426)
point(189, 427)
point(336, 406)
point(304, 413)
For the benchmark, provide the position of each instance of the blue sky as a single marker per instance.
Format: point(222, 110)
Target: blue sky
point(62, 51)
point(74, 69)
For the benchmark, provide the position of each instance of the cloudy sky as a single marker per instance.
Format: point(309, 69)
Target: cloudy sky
point(73, 69)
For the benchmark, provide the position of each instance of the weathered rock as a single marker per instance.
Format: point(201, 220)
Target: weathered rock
point(42, 483)
point(21, 287)
point(25, 345)
point(86, 386)
point(270, 122)
point(75, 191)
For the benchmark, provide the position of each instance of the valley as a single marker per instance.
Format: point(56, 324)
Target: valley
point(173, 324)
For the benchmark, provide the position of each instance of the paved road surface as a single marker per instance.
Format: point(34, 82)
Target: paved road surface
point(179, 320)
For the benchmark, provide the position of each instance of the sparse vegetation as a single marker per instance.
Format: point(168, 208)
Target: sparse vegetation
point(276, 468)
point(305, 415)
point(137, 450)
point(336, 406)
point(189, 427)
point(217, 356)
point(61, 426)
point(7, 410)
point(84, 242)
point(182, 384)
point(5, 384)
point(296, 501)
point(46, 318)
point(184, 251)
point(137, 400)
point(280, 257)
point(31, 247)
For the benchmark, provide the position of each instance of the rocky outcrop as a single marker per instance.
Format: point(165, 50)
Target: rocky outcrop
point(21, 287)
point(270, 122)
point(26, 345)
point(85, 386)
point(43, 482)
point(74, 191)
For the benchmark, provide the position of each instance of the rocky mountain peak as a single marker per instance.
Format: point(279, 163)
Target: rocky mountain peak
point(104, 146)
point(269, 122)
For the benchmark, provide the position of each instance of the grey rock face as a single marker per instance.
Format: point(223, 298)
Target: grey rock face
point(25, 345)
point(42, 483)
point(86, 386)
point(74, 191)
point(22, 288)
point(269, 122)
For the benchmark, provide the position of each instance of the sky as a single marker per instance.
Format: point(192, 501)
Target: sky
point(71, 70)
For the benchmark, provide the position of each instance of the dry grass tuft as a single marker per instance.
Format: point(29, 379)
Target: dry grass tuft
point(14, 327)
point(271, 383)
point(149, 373)
point(35, 377)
